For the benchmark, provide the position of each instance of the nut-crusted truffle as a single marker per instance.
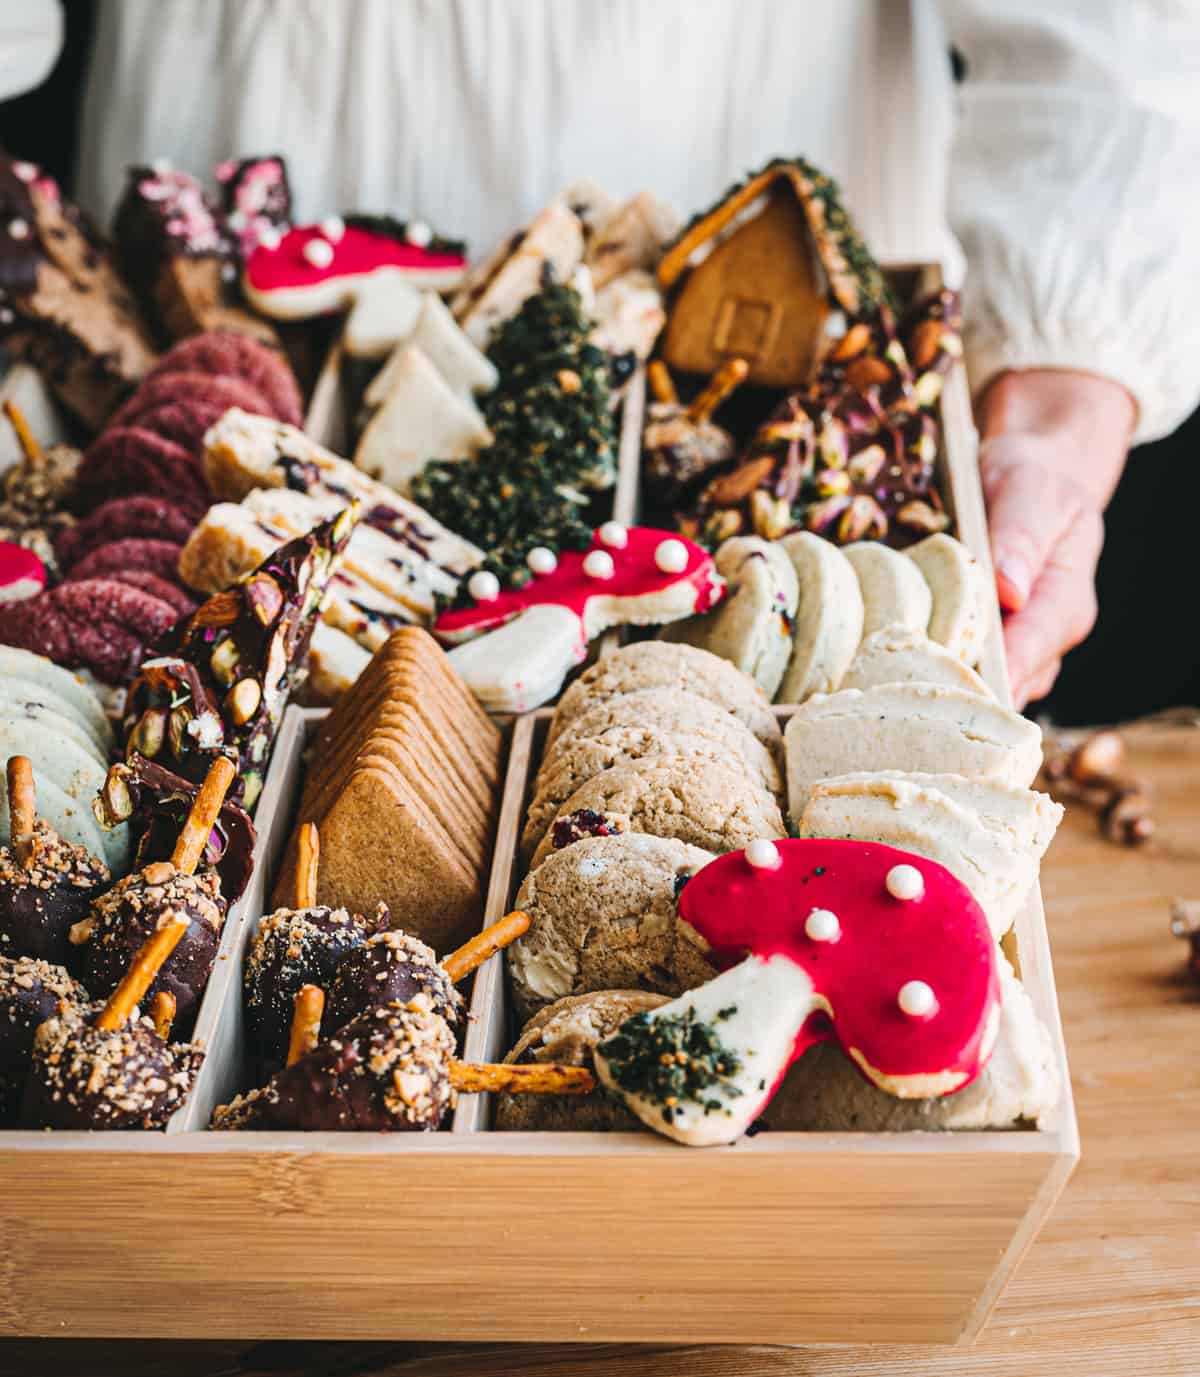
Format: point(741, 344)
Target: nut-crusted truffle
point(40, 901)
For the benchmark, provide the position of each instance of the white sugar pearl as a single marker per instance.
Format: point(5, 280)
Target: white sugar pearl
point(614, 535)
point(319, 252)
point(598, 564)
point(671, 556)
point(484, 586)
point(333, 227)
point(418, 234)
point(19, 229)
point(905, 882)
point(763, 854)
point(916, 999)
point(541, 560)
point(269, 239)
point(24, 172)
point(822, 925)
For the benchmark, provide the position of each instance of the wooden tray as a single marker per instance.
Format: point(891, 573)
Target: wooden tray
point(810, 1238)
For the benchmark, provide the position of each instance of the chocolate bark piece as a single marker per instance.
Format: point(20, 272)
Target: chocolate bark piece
point(123, 918)
point(174, 249)
point(156, 801)
point(82, 1077)
point(62, 305)
point(128, 459)
point(168, 591)
point(31, 991)
point(291, 948)
point(99, 625)
point(39, 902)
point(218, 682)
point(256, 198)
point(391, 966)
point(188, 385)
point(123, 518)
point(232, 355)
point(387, 1071)
point(109, 560)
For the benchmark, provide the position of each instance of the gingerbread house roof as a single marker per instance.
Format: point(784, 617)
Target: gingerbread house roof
point(856, 284)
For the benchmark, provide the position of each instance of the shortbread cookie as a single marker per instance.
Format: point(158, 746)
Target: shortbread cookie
point(602, 916)
point(916, 816)
point(565, 1033)
point(752, 628)
point(665, 665)
point(891, 595)
point(649, 722)
point(718, 806)
point(828, 624)
point(903, 655)
point(960, 595)
point(825, 1092)
point(907, 727)
point(381, 319)
point(52, 678)
point(446, 345)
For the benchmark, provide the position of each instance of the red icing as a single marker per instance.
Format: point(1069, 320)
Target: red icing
point(635, 574)
point(19, 565)
point(357, 252)
point(941, 938)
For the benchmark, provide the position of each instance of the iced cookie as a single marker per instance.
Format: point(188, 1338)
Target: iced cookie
point(824, 1092)
point(446, 345)
point(664, 665)
point(907, 727)
point(515, 646)
point(753, 626)
point(903, 655)
point(719, 807)
point(829, 618)
point(566, 1032)
point(630, 727)
point(891, 595)
point(602, 916)
point(990, 836)
point(960, 592)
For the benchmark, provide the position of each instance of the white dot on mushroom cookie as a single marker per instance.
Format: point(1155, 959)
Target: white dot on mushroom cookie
point(763, 854)
point(483, 586)
point(822, 925)
point(905, 882)
point(671, 556)
point(614, 535)
point(916, 999)
point(598, 564)
point(542, 560)
point(319, 252)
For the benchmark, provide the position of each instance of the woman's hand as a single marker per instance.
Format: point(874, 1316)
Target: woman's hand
point(1053, 447)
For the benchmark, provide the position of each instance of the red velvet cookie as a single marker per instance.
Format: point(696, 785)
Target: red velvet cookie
point(194, 387)
point(167, 590)
point(230, 355)
point(152, 518)
point(98, 624)
point(159, 557)
point(127, 460)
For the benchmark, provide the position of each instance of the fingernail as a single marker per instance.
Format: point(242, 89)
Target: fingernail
point(1015, 582)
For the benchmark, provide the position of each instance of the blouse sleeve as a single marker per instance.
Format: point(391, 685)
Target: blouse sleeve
point(1075, 193)
point(31, 34)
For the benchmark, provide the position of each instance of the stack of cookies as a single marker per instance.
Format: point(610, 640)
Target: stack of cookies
point(658, 758)
point(403, 784)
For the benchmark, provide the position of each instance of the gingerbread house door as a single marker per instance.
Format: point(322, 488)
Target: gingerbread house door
point(759, 295)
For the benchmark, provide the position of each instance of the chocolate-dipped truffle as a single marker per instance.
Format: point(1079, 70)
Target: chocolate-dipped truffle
point(31, 991)
point(391, 966)
point(121, 920)
point(42, 899)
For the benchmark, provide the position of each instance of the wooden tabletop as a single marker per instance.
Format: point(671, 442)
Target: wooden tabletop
point(1112, 1285)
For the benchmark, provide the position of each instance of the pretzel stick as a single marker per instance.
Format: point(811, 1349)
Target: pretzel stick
point(534, 1078)
point(725, 380)
point(307, 1011)
point(485, 944)
point(22, 808)
point(162, 1013)
point(33, 452)
point(659, 377)
point(150, 959)
point(198, 826)
point(308, 857)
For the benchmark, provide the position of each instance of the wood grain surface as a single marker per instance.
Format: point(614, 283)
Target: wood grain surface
point(1112, 1285)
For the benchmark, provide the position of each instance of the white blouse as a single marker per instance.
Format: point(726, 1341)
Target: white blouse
point(1070, 168)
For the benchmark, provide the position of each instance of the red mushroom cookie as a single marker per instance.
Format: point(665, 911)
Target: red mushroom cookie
point(521, 642)
point(312, 270)
point(884, 951)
